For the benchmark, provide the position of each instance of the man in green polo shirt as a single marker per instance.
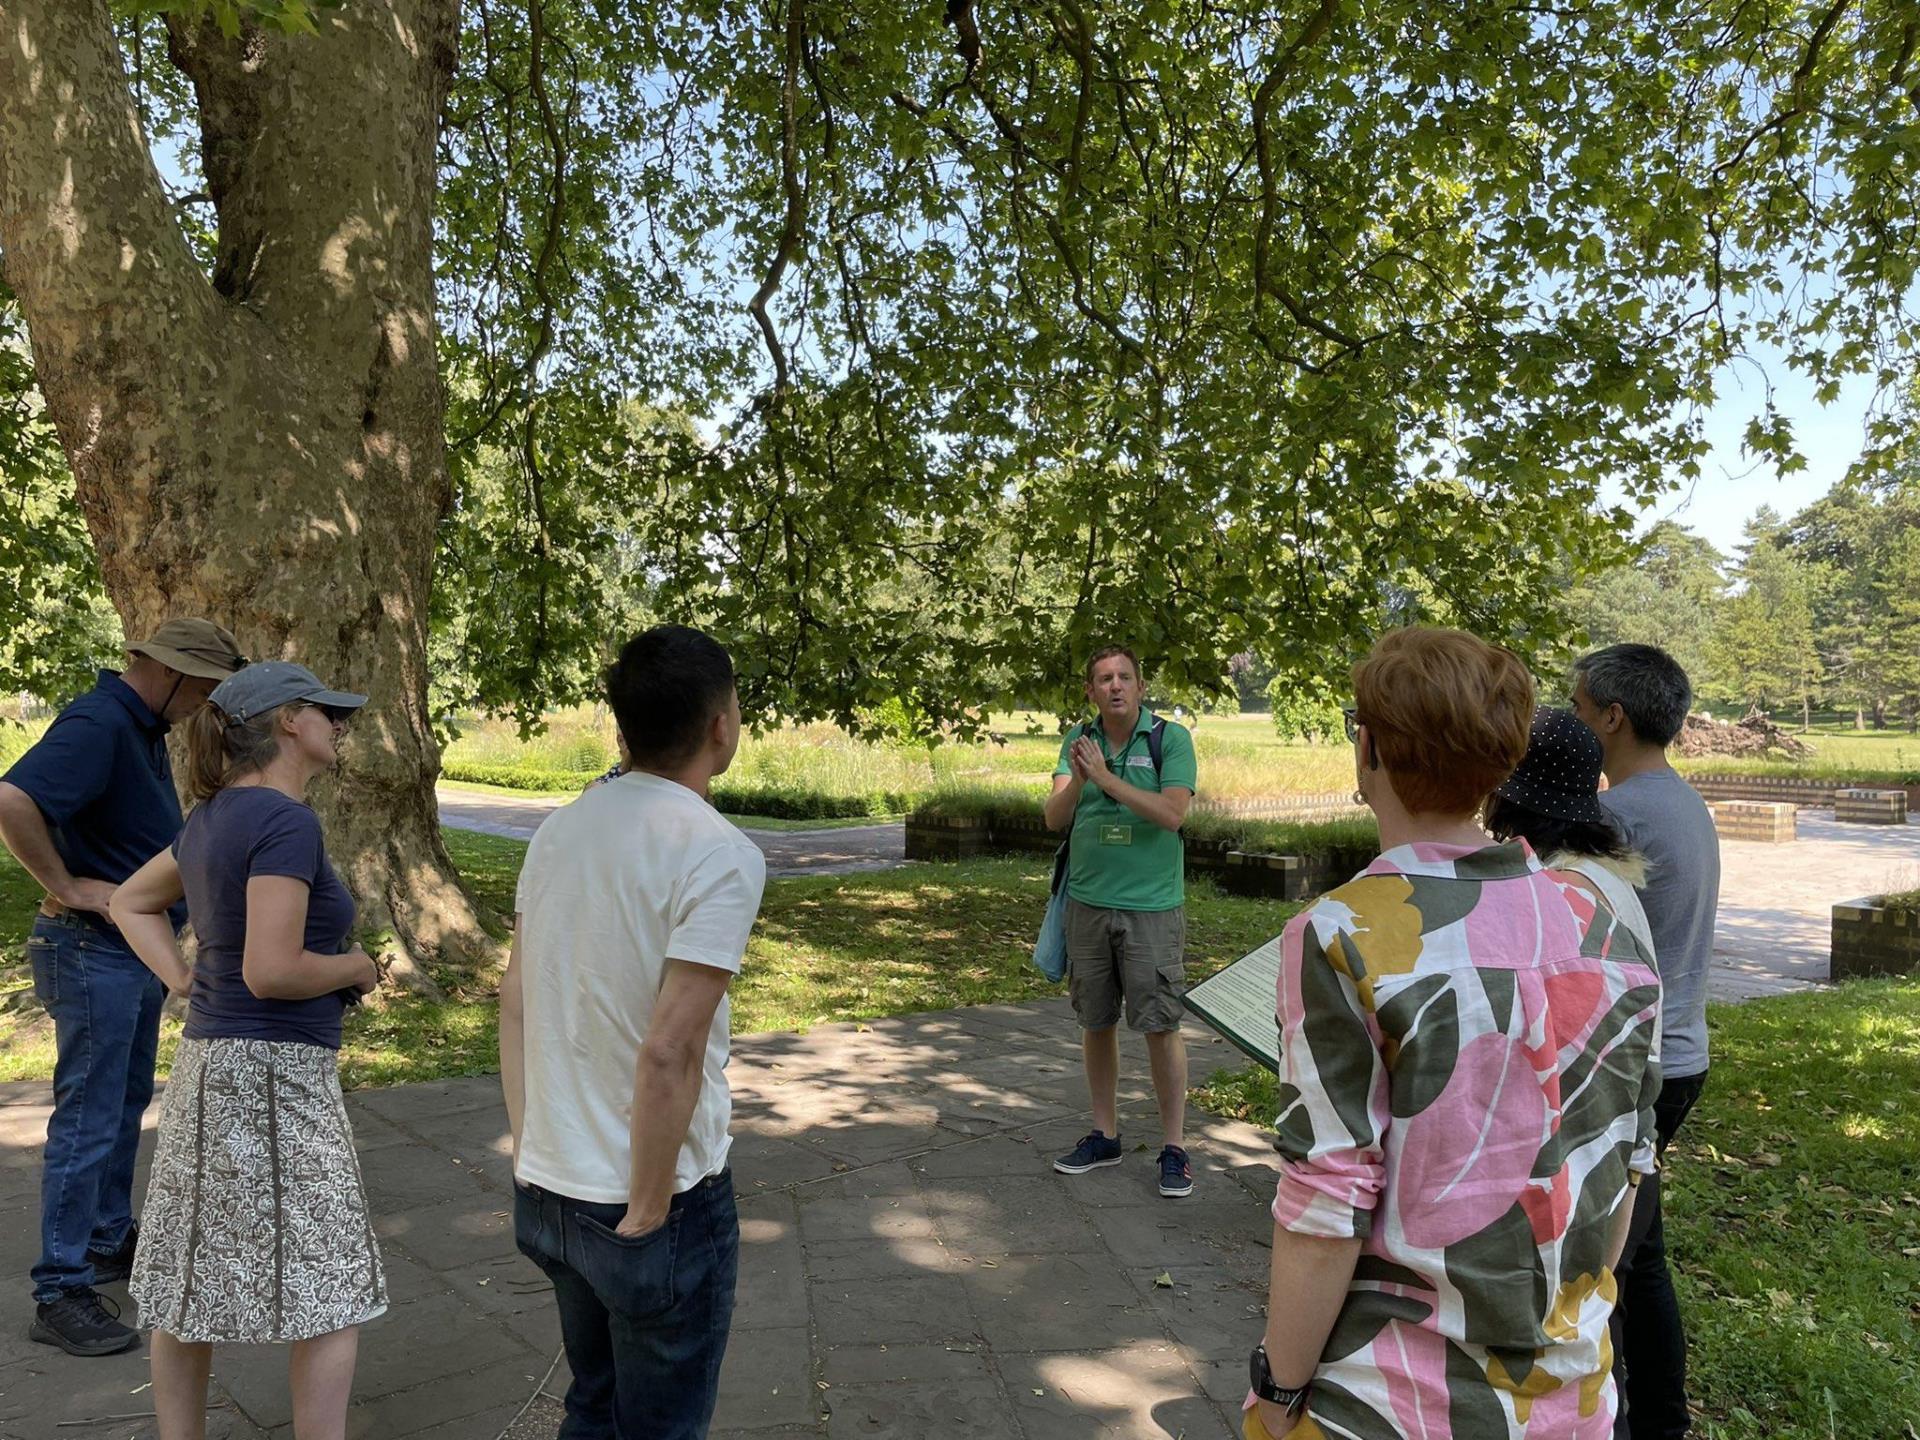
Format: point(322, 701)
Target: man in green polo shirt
point(1125, 790)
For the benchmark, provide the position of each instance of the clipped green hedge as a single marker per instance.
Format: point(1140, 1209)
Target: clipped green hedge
point(780, 802)
point(1262, 837)
point(515, 777)
point(773, 801)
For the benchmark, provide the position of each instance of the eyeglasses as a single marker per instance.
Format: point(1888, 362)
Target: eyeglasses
point(338, 714)
point(1352, 717)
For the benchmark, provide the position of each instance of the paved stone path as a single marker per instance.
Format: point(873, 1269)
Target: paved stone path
point(789, 852)
point(1776, 901)
point(911, 1267)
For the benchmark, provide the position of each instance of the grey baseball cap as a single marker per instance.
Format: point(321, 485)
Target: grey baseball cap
point(268, 684)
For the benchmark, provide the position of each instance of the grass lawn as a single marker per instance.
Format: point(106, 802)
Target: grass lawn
point(1792, 1211)
point(828, 947)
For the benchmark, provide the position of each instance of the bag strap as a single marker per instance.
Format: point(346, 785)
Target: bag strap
point(1156, 743)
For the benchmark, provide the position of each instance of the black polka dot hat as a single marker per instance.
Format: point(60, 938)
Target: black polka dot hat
point(1560, 774)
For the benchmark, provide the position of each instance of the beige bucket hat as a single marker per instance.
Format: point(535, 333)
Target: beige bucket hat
point(193, 647)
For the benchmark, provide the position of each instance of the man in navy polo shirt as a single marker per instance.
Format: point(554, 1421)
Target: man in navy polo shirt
point(81, 811)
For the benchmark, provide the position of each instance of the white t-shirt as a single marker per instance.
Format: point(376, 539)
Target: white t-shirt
point(633, 873)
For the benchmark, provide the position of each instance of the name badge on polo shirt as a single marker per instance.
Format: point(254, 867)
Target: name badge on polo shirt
point(1116, 834)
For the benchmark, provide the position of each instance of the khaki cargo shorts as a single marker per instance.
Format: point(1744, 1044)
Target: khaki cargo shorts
point(1138, 956)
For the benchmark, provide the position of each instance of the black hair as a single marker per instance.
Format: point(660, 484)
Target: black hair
point(1548, 835)
point(665, 689)
point(1645, 682)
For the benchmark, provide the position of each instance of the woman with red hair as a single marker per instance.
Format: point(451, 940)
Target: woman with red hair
point(1467, 1072)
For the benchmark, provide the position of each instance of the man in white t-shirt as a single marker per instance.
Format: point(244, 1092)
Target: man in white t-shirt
point(635, 904)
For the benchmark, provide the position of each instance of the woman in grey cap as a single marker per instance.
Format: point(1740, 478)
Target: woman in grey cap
point(1552, 801)
point(257, 1226)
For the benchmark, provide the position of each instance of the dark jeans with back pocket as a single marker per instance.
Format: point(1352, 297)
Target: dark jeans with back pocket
point(644, 1320)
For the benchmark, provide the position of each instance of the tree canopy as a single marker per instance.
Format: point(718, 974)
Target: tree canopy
point(914, 348)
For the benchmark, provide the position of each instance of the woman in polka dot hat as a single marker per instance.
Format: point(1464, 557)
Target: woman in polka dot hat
point(1552, 801)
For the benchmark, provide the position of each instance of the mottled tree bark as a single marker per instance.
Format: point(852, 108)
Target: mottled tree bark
point(264, 446)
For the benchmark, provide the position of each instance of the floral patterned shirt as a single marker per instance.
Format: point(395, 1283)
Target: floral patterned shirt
point(1468, 1063)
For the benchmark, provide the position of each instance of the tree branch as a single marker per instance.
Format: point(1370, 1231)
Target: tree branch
point(88, 241)
point(1263, 282)
point(794, 222)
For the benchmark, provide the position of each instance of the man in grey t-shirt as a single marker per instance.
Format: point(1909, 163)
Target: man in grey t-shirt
point(1635, 698)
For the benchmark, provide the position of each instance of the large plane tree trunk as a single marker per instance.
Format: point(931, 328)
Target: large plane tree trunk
point(264, 446)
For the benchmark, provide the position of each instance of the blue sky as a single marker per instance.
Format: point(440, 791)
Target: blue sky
point(1733, 485)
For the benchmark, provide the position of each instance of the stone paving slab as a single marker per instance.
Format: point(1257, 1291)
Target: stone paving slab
point(910, 1264)
point(1776, 901)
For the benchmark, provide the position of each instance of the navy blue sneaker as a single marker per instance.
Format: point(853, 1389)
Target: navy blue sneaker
point(1090, 1154)
point(1176, 1175)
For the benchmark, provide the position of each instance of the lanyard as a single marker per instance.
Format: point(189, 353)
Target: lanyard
point(1115, 762)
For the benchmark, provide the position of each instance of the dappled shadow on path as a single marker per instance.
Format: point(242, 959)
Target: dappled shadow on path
point(911, 1264)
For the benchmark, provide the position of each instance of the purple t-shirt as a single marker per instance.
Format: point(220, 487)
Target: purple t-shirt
point(242, 832)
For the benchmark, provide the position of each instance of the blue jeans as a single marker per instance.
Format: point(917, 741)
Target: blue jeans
point(106, 1027)
point(644, 1321)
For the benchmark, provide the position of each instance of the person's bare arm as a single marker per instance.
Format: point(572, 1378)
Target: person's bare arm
point(276, 965)
point(1622, 1224)
point(1165, 808)
point(24, 829)
point(1306, 1287)
point(139, 909)
point(513, 1077)
point(1064, 800)
point(666, 1087)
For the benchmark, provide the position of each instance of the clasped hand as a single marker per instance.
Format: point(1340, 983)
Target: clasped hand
point(1087, 762)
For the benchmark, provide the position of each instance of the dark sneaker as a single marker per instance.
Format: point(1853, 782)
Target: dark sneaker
point(111, 1266)
point(79, 1323)
point(1176, 1175)
point(1090, 1154)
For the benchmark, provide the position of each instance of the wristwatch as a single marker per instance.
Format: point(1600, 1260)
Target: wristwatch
point(1261, 1378)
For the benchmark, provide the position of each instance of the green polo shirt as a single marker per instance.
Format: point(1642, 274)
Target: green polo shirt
point(1120, 860)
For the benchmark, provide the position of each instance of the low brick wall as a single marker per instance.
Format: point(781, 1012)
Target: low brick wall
point(1751, 820)
point(1276, 877)
point(1784, 789)
point(1869, 939)
point(1765, 789)
point(1871, 807)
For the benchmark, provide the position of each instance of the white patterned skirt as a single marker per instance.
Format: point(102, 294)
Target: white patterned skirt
point(256, 1226)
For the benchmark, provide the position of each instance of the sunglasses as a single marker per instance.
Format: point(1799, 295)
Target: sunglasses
point(338, 714)
point(1352, 717)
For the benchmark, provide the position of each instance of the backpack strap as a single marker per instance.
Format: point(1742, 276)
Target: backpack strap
point(1156, 744)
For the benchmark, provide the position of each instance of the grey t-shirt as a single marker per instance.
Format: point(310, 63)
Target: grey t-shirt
point(1666, 820)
